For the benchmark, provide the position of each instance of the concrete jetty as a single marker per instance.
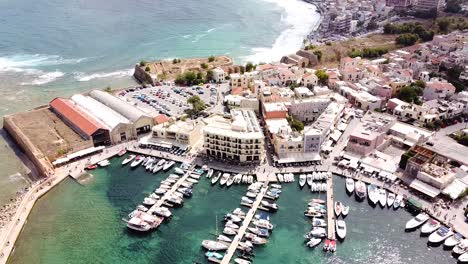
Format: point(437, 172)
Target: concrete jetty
point(330, 209)
point(245, 224)
point(169, 193)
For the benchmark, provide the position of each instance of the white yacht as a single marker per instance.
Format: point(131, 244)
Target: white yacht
point(162, 211)
point(440, 235)
point(417, 221)
point(104, 163)
point(213, 245)
point(390, 199)
point(382, 197)
point(373, 193)
point(341, 229)
point(224, 179)
point(453, 240)
point(461, 248)
point(128, 159)
point(138, 160)
point(168, 165)
point(398, 201)
point(430, 226)
point(302, 180)
point(349, 185)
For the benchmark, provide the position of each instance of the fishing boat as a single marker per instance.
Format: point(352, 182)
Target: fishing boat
point(453, 240)
point(162, 211)
point(104, 163)
point(215, 255)
point(461, 248)
point(382, 197)
point(213, 245)
point(230, 181)
point(360, 190)
point(168, 165)
point(345, 211)
point(430, 226)
point(224, 179)
point(138, 160)
point(416, 221)
point(373, 193)
point(128, 159)
point(338, 208)
point(341, 229)
point(122, 152)
point(216, 178)
point(313, 242)
point(398, 201)
point(302, 180)
point(349, 185)
point(440, 235)
point(390, 199)
point(309, 179)
point(210, 173)
point(224, 238)
point(91, 167)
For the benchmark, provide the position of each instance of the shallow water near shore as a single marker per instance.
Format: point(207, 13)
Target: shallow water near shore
point(82, 224)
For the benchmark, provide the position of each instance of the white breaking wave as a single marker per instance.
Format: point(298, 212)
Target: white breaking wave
point(28, 63)
point(211, 29)
point(44, 78)
point(81, 77)
point(301, 18)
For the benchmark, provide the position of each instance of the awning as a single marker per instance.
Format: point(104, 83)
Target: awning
point(77, 154)
point(424, 188)
point(454, 189)
point(414, 203)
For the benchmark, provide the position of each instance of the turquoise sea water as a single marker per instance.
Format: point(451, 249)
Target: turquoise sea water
point(81, 224)
point(53, 48)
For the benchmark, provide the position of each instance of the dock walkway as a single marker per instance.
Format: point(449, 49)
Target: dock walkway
point(330, 209)
point(245, 224)
point(169, 193)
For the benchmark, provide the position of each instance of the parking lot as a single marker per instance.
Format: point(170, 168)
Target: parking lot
point(169, 99)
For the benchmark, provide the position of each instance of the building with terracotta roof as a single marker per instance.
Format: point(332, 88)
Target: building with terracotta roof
point(438, 89)
point(82, 123)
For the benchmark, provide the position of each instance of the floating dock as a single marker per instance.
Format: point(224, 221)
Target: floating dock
point(245, 224)
point(330, 209)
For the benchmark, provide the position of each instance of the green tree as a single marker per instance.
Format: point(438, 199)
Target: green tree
point(211, 58)
point(295, 124)
point(147, 69)
point(209, 75)
point(143, 63)
point(197, 105)
point(407, 39)
point(322, 76)
point(249, 67)
point(372, 25)
point(319, 54)
point(420, 83)
point(409, 94)
point(175, 61)
point(204, 65)
point(443, 24)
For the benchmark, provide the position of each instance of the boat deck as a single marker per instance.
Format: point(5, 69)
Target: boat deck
point(330, 209)
point(162, 200)
point(245, 224)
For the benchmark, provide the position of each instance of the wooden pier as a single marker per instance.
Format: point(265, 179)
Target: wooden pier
point(330, 209)
point(245, 224)
point(162, 200)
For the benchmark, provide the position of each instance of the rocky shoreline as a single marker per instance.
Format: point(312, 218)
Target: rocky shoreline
point(8, 211)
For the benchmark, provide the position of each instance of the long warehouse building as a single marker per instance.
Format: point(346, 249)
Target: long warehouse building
point(141, 121)
point(120, 128)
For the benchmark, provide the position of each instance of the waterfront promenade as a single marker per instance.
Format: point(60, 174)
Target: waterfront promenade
point(245, 224)
point(330, 209)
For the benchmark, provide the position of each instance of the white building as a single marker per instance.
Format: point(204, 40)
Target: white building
point(307, 110)
point(185, 133)
point(219, 75)
point(239, 139)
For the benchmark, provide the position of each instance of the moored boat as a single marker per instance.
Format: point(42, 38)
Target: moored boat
point(338, 208)
point(463, 258)
point(213, 245)
point(453, 240)
point(104, 163)
point(224, 179)
point(345, 210)
point(302, 180)
point(128, 159)
point(230, 181)
point(390, 199)
point(216, 178)
point(313, 242)
point(179, 171)
point(398, 201)
point(309, 179)
point(210, 173)
point(341, 229)
point(91, 167)
point(241, 261)
point(224, 238)
point(440, 235)
point(382, 197)
point(122, 152)
point(373, 193)
point(214, 255)
point(461, 248)
point(417, 221)
point(168, 165)
point(430, 226)
point(360, 190)
point(137, 161)
point(349, 185)
point(162, 211)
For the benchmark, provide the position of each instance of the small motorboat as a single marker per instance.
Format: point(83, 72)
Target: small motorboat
point(238, 212)
point(233, 218)
point(345, 210)
point(280, 177)
point(330, 245)
point(382, 197)
point(313, 242)
point(463, 258)
point(430, 226)
point(216, 178)
point(317, 201)
point(168, 165)
point(104, 163)
point(224, 238)
point(440, 235)
point(309, 179)
point(262, 223)
point(373, 193)
point(416, 221)
point(302, 180)
point(338, 208)
point(341, 229)
point(149, 201)
point(230, 181)
point(398, 201)
point(453, 240)
point(128, 159)
point(229, 231)
point(349, 185)
point(137, 161)
point(213, 245)
point(162, 211)
point(224, 179)
point(179, 171)
point(461, 248)
point(390, 199)
point(210, 173)
point(276, 186)
point(313, 214)
point(241, 261)
point(318, 232)
point(259, 240)
point(246, 200)
point(91, 167)
point(318, 222)
point(267, 204)
point(215, 255)
point(360, 190)
point(230, 224)
point(122, 152)
point(263, 232)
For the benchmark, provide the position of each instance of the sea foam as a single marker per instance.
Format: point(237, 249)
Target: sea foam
point(45, 77)
point(301, 18)
point(81, 77)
